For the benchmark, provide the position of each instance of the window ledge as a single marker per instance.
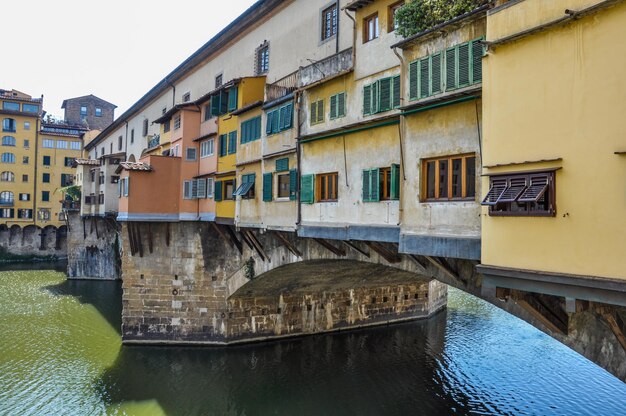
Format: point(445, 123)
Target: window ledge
point(283, 199)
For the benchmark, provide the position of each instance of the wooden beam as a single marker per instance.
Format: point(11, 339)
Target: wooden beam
point(540, 310)
point(447, 271)
point(291, 247)
point(335, 250)
point(167, 234)
point(219, 230)
point(420, 264)
point(385, 253)
point(356, 248)
point(96, 224)
point(246, 240)
point(84, 229)
point(257, 245)
point(131, 239)
point(138, 235)
point(150, 237)
point(615, 323)
point(234, 239)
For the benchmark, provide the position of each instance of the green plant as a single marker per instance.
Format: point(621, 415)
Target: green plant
point(419, 15)
point(71, 192)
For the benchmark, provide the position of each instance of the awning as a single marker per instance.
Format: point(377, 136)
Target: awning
point(243, 189)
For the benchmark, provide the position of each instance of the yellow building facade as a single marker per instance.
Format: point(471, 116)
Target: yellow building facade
point(553, 151)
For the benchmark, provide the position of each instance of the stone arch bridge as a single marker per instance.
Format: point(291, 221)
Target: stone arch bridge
point(179, 280)
point(31, 239)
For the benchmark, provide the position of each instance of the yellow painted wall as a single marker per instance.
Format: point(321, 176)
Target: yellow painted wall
point(560, 94)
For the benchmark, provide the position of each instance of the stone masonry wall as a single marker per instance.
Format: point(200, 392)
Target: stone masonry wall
point(27, 241)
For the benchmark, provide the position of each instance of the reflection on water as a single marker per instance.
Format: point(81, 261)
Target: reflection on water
point(60, 353)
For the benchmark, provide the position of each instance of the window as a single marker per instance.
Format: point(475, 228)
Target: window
point(223, 151)
point(30, 108)
point(263, 59)
point(251, 130)
point(8, 125)
point(522, 194)
point(67, 179)
point(46, 178)
point(98, 112)
point(8, 105)
point(370, 28)
point(232, 98)
point(8, 158)
point(83, 110)
point(26, 125)
point(177, 122)
point(45, 196)
point(6, 198)
point(26, 143)
point(393, 9)
point(218, 80)
point(48, 143)
point(191, 153)
point(187, 190)
point(206, 148)
point(24, 197)
point(279, 119)
point(123, 186)
point(8, 141)
point(232, 142)
point(283, 182)
point(210, 186)
point(246, 189)
point(329, 22)
point(326, 187)
point(101, 178)
point(317, 112)
point(46, 160)
point(24, 178)
point(381, 184)
point(449, 178)
point(166, 127)
point(68, 162)
point(25, 160)
point(75, 145)
point(186, 97)
point(24, 214)
point(200, 188)
point(7, 212)
point(43, 214)
point(229, 189)
point(119, 143)
point(456, 67)
point(7, 177)
point(382, 95)
point(61, 144)
point(338, 105)
point(145, 128)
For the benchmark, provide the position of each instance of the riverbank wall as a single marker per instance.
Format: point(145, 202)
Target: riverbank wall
point(32, 243)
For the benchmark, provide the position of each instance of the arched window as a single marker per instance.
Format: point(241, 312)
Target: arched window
point(7, 177)
point(8, 141)
point(6, 197)
point(8, 158)
point(8, 124)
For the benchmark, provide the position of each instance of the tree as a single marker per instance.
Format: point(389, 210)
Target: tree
point(419, 15)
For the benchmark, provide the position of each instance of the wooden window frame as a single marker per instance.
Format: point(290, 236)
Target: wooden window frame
point(279, 175)
point(510, 195)
point(367, 36)
point(225, 184)
point(437, 198)
point(391, 15)
point(322, 193)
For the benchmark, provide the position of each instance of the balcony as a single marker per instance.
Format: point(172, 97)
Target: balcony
point(154, 141)
point(71, 205)
point(326, 68)
point(282, 87)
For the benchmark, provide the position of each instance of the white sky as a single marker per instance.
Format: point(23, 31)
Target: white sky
point(114, 49)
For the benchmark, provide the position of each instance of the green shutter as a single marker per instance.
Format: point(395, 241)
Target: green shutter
point(424, 77)
point(313, 113)
point(367, 193)
point(367, 100)
point(375, 185)
point(232, 99)
point(341, 104)
point(395, 181)
point(435, 73)
point(217, 192)
point(396, 91)
point(464, 65)
point(215, 105)
point(450, 69)
point(320, 111)
point(282, 117)
point(267, 187)
point(333, 107)
point(384, 95)
point(282, 165)
point(232, 142)
point(275, 121)
point(223, 145)
point(477, 61)
point(288, 116)
point(268, 123)
point(224, 102)
point(307, 194)
point(293, 184)
point(413, 80)
point(375, 97)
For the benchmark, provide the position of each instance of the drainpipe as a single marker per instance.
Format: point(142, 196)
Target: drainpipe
point(338, 31)
point(401, 129)
point(168, 82)
point(126, 144)
point(298, 98)
point(36, 164)
point(353, 35)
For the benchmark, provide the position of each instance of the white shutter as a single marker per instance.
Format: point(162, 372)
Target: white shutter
point(201, 193)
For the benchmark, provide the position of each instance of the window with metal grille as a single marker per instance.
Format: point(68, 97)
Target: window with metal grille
point(191, 154)
point(263, 58)
point(522, 194)
point(449, 178)
point(177, 122)
point(329, 22)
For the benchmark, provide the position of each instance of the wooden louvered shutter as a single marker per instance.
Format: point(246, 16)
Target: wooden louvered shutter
point(268, 122)
point(217, 193)
point(293, 184)
point(307, 186)
point(413, 80)
point(232, 142)
point(435, 73)
point(267, 187)
point(313, 113)
point(477, 61)
point(514, 189)
point(367, 193)
point(375, 185)
point(464, 65)
point(282, 165)
point(537, 188)
point(367, 99)
point(320, 111)
point(395, 182)
point(333, 107)
point(275, 121)
point(498, 186)
point(384, 100)
point(288, 116)
point(375, 97)
point(232, 99)
point(424, 78)
point(215, 105)
point(194, 189)
point(201, 188)
point(396, 92)
point(451, 65)
point(341, 104)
